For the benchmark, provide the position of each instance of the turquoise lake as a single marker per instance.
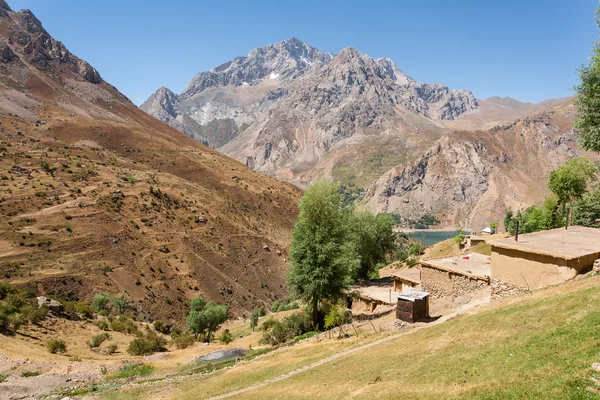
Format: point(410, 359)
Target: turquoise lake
point(432, 237)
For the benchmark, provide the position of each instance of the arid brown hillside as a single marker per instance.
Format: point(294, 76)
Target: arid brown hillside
point(98, 196)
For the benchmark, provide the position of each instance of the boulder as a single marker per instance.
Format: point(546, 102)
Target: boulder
point(51, 305)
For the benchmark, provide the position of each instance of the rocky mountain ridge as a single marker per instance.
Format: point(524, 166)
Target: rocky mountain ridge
point(284, 108)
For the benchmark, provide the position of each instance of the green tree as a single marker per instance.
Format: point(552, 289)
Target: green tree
point(570, 181)
point(322, 258)
point(253, 320)
point(588, 99)
point(587, 210)
point(205, 318)
point(373, 239)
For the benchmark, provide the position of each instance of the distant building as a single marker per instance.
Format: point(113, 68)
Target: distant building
point(488, 231)
point(406, 280)
point(545, 258)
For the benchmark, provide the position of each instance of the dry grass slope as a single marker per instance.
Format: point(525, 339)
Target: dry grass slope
point(537, 346)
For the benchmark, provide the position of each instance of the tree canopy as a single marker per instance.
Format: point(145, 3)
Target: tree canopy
point(570, 181)
point(321, 256)
point(373, 239)
point(205, 318)
point(588, 100)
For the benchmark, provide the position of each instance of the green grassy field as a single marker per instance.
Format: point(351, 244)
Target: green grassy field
point(541, 345)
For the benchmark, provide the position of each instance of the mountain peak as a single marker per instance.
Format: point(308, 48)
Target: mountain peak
point(284, 61)
point(4, 5)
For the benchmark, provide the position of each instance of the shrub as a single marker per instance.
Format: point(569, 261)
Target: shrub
point(15, 321)
point(276, 305)
point(6, 289)
point(27, 374)
point(124, 325)
point(146, 345)
point(84, 310)
point(416, 249)
point(56, 346)
point(111, 348)
point(101, 302)
point(411, 262)
point(226, 337)
point(261, 312)
point(98, 340)
point(34, 315)
point(3, 377)
point(268, 324)
point(120, 303)
point(184, 341)
point(103, 325)
point(161, 327)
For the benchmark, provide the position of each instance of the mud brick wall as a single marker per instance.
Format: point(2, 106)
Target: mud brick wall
point(440, 283)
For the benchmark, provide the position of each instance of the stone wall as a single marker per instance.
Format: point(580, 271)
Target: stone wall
point(440, 283)
point(502, 289)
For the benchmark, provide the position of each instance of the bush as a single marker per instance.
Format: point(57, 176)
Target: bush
point(56, 346)
point(34, 315)
point(6, 289)
point(146, 345)
point(161, 327)
point(98, 340)
point(411, 262)
point(184, 341)
point(261, 312)
point(103, 325)
point(416, 249)
point(226, 337)
point(291, 326)
point(84, 310)
point(111, 348)
point(101, 302)
point(124, 325)
point(268, 324)
point(15, 321)
point(27, 374)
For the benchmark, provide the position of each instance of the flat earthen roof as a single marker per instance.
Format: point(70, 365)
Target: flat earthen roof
point(575, 242)
point(408, 274)
point(473, 265)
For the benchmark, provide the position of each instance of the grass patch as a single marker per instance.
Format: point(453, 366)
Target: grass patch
point(133, 370)
point(27, 374)
point(4, 377)
point(483, 248)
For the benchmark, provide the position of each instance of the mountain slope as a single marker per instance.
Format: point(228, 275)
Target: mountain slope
point(293, 111)
point(471, 178)
point(99, 196)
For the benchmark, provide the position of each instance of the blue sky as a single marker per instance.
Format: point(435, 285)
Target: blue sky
point(526, 49)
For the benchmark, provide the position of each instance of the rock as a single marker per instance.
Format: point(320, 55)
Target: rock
point(51, 305)
point(596, 367)
point(596, 267)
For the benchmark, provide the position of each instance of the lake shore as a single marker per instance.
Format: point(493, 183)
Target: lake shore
point(412, 230)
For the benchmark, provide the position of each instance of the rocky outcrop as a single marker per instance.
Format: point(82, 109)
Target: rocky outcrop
point(28, 37)
point(470, 178)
